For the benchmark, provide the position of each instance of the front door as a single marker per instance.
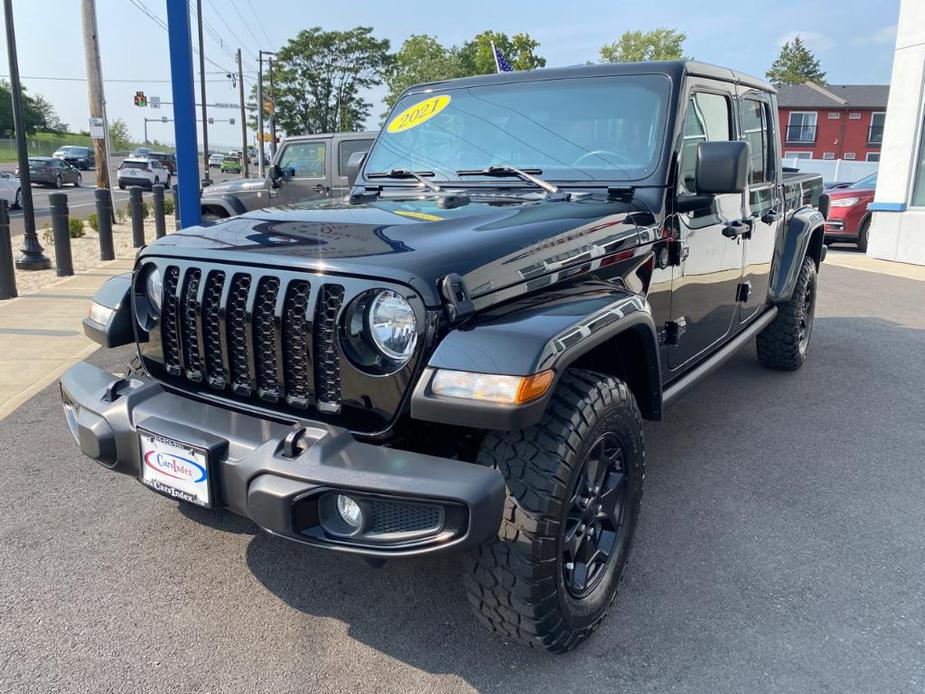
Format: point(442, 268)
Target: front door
point(703, 286)
point(305, 168)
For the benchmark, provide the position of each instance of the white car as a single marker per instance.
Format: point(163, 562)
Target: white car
point(142, 172)
point(215, 159)
point(10, 189)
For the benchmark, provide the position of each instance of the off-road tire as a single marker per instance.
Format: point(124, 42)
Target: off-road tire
point(864, 235)
point(784, 343)
point(516, 584)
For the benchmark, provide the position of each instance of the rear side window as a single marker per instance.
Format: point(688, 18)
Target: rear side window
point(753, 116)
point(347, 149)
point(707, 120)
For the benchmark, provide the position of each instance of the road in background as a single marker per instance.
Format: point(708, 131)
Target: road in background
point(779, 549)
point(81, 201)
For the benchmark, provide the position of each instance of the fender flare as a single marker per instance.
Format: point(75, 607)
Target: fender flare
point(523, 339)
point(802, 234)
point(229, 203)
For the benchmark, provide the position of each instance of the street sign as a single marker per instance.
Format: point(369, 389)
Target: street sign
point(154, 102)
point(223, 105)
point(163, 119)
point(211, 121)
point(140, 99)
point(231, 121)
point(97, 129)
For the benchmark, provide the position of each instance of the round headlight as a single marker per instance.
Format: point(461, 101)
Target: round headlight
point(392, 325)
point(154, 288)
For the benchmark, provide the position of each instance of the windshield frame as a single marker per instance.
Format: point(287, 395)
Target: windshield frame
point(657, 160)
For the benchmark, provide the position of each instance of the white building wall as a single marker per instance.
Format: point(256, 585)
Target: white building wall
point(897, 229)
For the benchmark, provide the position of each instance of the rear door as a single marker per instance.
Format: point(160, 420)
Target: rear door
point(757, 126)
point(346, 147)
point(703, 286)
point(306, 170)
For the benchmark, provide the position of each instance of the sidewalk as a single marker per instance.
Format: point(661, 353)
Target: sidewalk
point(41, 333)
point(858, 261)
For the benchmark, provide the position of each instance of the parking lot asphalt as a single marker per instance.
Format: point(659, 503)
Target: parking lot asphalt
point(781, 548)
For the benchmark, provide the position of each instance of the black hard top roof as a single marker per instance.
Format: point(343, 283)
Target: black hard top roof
point(675, 69)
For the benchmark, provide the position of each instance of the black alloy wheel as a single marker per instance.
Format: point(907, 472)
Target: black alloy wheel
point(595, 519)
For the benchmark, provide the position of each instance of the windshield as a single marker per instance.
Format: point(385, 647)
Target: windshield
point(866, 183)
point(586, 129)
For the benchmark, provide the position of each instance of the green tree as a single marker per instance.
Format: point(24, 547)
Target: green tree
point(33, 118)
point(421, 58)
point(796, 64)
point(50, 118)
point(119, 138)
point(319, 76)
point(634, 46)
point(476, 57)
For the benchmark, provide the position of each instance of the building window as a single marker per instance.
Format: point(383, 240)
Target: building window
point(875, 132)
point(849, 155)
point(834, 115)
point(798, 155)
point(873, 156)
point(828, 155)
point(801, 126)
point(854, 115)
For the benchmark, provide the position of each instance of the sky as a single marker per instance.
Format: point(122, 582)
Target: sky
point(852, 38)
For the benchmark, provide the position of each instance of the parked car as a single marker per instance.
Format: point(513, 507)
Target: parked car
point(459, 355)
point(142, 172)
point(10, 189)
point(168, 160)
point(848, 219)
point(307, 167)
point(52, 172)
point(230, 164)
point(215, 160)
point(83, 158)
point(140, 152)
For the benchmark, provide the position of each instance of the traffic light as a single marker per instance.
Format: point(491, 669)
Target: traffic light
point(141, 99)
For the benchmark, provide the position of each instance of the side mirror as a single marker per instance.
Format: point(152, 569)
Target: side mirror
point(722, 167)
point(354, 164)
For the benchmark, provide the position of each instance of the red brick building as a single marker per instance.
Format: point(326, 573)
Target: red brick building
point(837, 121)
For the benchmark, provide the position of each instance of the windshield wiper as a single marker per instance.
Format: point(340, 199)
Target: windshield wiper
point(407, 173)
point(506, 171)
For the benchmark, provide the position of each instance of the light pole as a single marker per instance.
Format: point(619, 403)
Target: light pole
point(33, 256)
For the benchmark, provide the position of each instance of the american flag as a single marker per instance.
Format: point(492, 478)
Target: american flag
point(500, 61)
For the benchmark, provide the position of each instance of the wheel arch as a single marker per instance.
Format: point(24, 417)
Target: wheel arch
point(801, 236)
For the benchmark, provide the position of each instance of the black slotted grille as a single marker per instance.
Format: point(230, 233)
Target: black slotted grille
point(296, 359)
point(237, 334)
point(265, 338)
point(212, 329)
point(190, 310)
point(169, 333)
point(327, 359)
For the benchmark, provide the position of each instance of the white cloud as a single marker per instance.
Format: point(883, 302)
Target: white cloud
point(885, 36)
point(813, 39)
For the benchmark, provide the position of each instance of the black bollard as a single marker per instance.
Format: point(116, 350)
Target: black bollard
point(176, 208)
point(160, 224)
point(138, 222)
point(7, 277)
point(64, 265)
point(104, 222)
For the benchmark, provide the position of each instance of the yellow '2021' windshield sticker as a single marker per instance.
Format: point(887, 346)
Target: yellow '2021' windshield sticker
point(421, 112)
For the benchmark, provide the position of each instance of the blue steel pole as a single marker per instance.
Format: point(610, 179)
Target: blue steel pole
point(184, 111)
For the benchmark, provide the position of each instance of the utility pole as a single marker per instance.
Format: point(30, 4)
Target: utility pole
point(95, 87)
point(272, 112)
point(202, 90)
point(33, 257)
point(260, 163)
point(245, 173)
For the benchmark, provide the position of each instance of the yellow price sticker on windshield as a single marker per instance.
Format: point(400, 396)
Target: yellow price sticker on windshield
point(421, 112)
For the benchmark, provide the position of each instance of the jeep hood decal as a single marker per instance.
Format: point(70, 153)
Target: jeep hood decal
point(490, 243)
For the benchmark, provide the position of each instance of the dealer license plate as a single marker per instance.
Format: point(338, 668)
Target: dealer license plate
point(175, 469)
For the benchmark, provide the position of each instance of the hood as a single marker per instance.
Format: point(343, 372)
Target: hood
point(492, 243)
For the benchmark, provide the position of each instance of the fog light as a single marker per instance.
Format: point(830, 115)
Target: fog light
point(70, 414)
point(349, 511)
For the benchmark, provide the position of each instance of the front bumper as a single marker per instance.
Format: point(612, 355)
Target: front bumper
point(283, 476)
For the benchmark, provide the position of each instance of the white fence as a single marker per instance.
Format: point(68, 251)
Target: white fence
point(840, 170)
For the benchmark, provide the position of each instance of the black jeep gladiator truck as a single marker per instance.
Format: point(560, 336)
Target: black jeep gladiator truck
point(459, 355)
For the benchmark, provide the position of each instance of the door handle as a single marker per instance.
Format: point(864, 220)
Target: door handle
point(740, 227)
point(770, 216)
point(321, 188)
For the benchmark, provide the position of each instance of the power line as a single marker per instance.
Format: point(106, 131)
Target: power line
point(260, 24)
point(230, 30)
point(244, 22)
point(139, 80)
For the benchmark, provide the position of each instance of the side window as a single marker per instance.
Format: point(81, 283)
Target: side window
point(304, 159)
point(347, 149)
point(707, 120)
point(754, 119)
